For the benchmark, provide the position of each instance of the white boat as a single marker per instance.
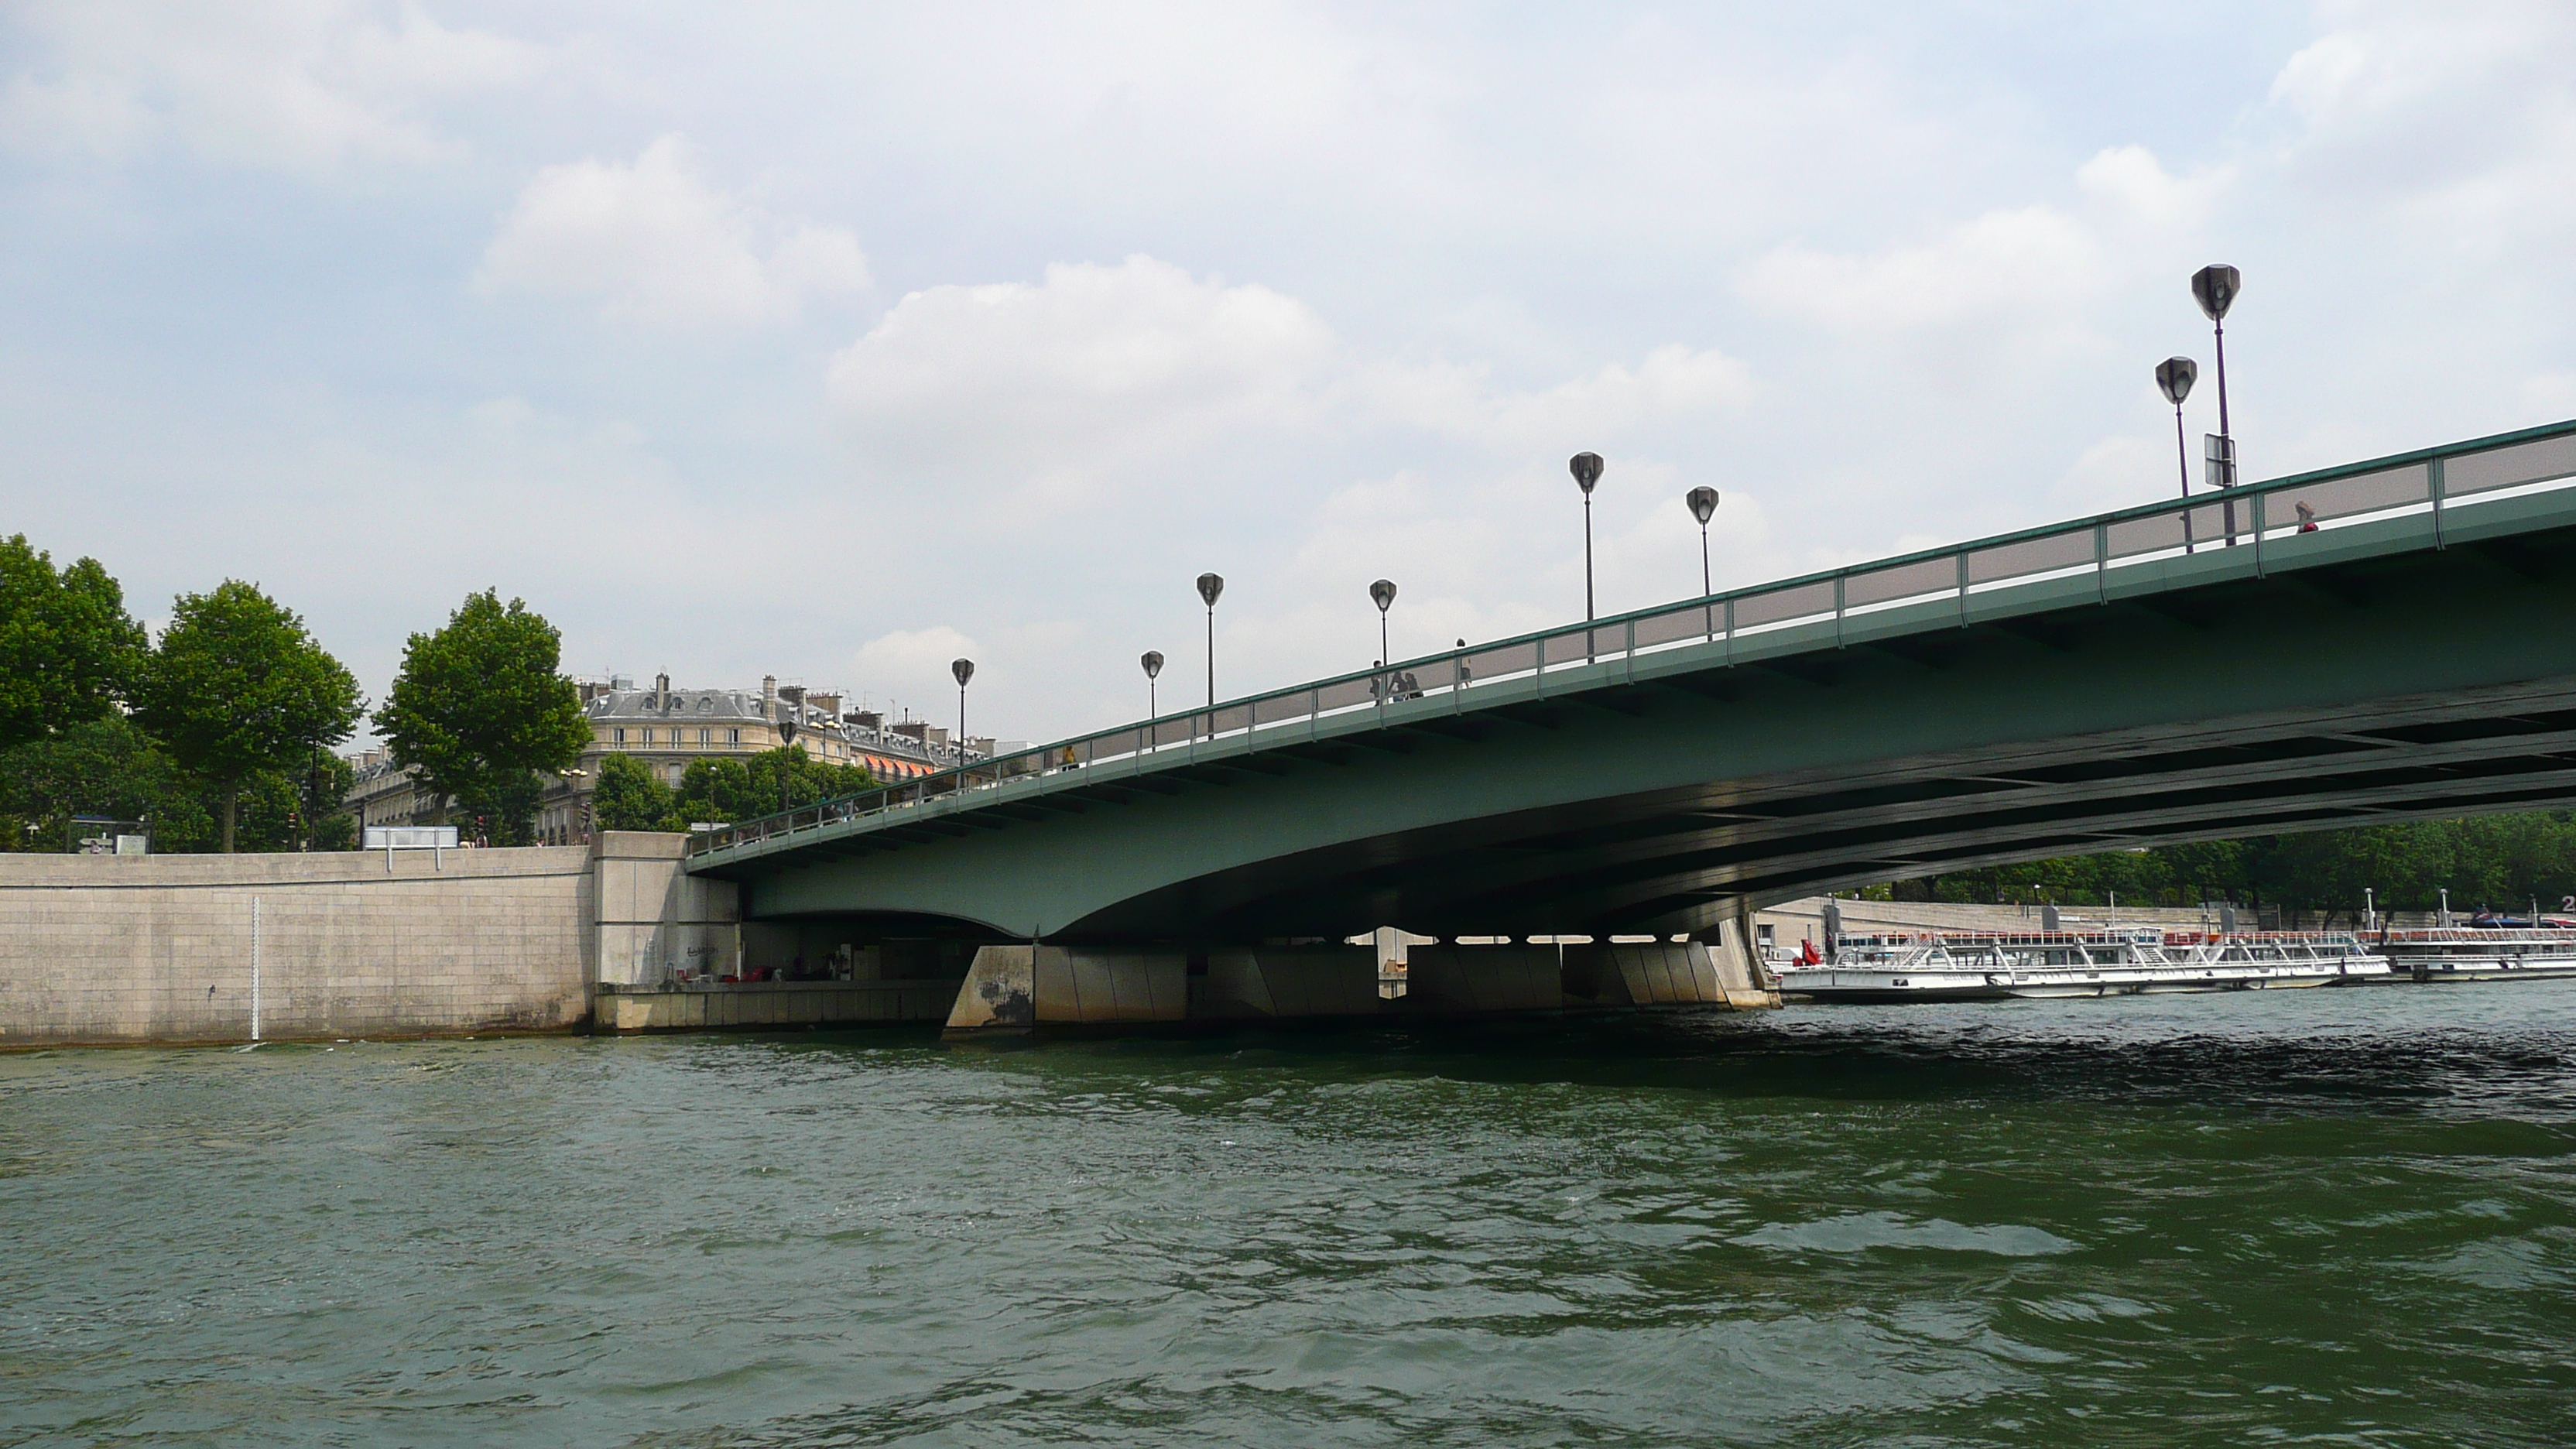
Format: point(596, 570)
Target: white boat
point(1984, 966)
point(2479, 953)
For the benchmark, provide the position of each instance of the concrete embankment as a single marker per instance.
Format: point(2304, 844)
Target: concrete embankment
point(192, 948)
point(213, 948)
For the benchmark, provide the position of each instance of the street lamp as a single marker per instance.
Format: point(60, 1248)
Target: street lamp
point(1703, 506)
point(2174, 377)
point(1153, 662)
point(1383, 591)
point(962, 670)
point(786, 737)
point(2215, 288)
point(1210, 586)
point(1586, 468)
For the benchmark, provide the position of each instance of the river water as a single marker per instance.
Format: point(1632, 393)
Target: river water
point(2335, 1216)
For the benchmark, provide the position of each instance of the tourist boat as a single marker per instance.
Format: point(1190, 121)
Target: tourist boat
point(1985, 966)
point(2479, 953)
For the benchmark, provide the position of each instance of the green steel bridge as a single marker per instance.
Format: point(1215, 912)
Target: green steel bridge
point(2405, 645)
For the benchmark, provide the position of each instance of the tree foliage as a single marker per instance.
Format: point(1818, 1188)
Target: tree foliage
point(109, 767)
point(68, 650)
point(480, 708)
point(2504, 861)
point(629, 796)
point(238, 689)
point(747, 787)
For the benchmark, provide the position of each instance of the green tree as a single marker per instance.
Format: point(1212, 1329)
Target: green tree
point(630, 796)
point(747, 787)
point(480, 709)
point(238, 689)
point(103, 767)
point(68, 650)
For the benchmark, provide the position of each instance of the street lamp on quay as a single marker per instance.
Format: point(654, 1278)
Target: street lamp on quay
point(1383, 593)
point(962, 670)
point(2174, 377)
point(1703, 506)
point(1210, 587)
point(1153, 662)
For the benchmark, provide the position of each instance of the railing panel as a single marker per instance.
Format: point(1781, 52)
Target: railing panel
point(1697, 621)
point(2134, 536)
point(1345, 694)
point(2537, 461)
point(1280, 708)
point(2345, 497)
point(1491, 664)
point(1759, 610)
point(1230, 719)
point(1117, 744)
point(2030, 556)
point(1583, 644)
point(1905, 581)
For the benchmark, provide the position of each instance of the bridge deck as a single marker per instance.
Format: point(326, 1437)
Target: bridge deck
point(2486, 493)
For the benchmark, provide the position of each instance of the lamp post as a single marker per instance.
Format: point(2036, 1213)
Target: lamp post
point(1703, 506)
point(786, 738)
point(1210, 586)
point(962, 670)
point(1153, 662)
point(2174, 377)
point(1586, 468)
point(1383, 592)
point(2215, 288)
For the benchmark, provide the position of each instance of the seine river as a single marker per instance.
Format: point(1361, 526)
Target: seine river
point(2322, 1217)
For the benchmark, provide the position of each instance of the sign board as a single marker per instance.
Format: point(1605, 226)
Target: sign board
point(410, 837)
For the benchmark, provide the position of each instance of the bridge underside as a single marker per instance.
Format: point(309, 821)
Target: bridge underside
point(2428, 683)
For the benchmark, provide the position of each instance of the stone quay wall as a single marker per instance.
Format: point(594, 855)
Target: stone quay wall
point(187, 948)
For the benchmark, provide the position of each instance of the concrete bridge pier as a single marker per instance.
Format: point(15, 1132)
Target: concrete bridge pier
point(1019, 990)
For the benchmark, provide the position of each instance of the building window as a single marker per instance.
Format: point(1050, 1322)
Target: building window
point(733, 737)
point(703, 735)
point(620, 734)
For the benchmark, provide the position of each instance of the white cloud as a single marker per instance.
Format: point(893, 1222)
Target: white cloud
point(2028, 270)
point(304, 85)
point(914, 664)
point(662, 247)
point(1051, 389)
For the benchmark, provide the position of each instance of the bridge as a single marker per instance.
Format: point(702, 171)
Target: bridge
point(2382, 640)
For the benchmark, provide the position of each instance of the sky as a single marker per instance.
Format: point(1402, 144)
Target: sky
point(838, 341)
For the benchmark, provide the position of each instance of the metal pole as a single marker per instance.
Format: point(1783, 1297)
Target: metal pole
point(2226, 439)
point(1705, 587)
point(2182, 462)
point(1587, 558)
point(254, 969)
point(1211, 663)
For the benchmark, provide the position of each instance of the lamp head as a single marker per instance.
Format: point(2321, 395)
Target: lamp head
point(2215, 288)
point(1587, 471)
point(1384, 592)
point(1153, 662)
point(2174, 377)
point(964, 669)
point(1703, 504)
point(1210, 585)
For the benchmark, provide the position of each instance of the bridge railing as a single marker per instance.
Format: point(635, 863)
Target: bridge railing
point(2277, 520)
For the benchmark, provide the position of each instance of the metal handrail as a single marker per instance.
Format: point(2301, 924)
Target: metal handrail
point(1613, 640)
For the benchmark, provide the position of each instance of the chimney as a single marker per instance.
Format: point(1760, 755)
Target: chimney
point(662, 682)
point(769, 686)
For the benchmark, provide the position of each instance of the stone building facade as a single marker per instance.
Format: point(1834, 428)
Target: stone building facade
point(668, 729)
